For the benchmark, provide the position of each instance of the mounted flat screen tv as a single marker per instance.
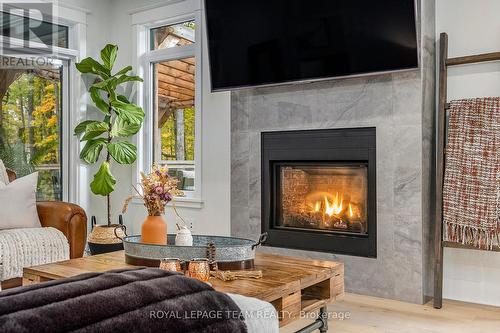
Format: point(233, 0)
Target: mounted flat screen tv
point(264, 42)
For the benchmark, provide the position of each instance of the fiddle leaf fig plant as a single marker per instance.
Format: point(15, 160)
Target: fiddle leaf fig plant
point(121, 119)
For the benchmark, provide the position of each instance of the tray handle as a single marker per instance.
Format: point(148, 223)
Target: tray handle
point(124, 228)
point(262, 239)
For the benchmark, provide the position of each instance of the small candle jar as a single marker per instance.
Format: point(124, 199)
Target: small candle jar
point(199, 269)
point(171, 264)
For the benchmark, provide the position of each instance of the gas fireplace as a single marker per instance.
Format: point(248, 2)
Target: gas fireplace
point(323, 196)
point(318, 190)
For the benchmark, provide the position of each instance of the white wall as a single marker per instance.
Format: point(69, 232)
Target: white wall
point(110, 22)
point(97, 35)
point(473, 27)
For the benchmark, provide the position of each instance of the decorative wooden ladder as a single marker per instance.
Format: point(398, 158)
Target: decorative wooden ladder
point(443, 107)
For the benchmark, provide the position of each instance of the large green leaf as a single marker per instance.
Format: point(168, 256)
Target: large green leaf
point(123, 99)
point(107, 85)
point(81, 127)
point(104, 182)
point(89, 65)
point(108, 55)
point(126, 78)
point(123, 70)
point(128, 111)
point(92, 149)
point(123, 152)
point(97, 99)
point(122, 128)
point(94, 130)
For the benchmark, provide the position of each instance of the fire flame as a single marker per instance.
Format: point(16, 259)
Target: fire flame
point(333, 208)
point(336, 207)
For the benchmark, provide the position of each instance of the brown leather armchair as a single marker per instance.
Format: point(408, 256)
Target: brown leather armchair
point(68, 218)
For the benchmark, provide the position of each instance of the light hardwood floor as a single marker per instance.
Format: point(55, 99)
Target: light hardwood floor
point(377, 315)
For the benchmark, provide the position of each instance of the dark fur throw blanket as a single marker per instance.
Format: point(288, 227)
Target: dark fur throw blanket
point(136, 300)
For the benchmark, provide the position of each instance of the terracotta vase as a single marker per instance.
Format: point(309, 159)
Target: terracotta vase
point(154, 230)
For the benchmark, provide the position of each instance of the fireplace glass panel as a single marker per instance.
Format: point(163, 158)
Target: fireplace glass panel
point(324, 197)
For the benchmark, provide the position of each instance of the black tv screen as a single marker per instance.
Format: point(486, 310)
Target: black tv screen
point(261, 42)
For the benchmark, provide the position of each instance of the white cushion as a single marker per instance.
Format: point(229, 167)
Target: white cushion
point(18, 203)
point(260, 316)
point(4, 177)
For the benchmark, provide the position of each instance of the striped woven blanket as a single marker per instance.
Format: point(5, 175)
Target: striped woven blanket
point(471, 192)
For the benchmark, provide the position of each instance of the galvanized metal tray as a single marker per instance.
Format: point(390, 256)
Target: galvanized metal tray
point(230, 252)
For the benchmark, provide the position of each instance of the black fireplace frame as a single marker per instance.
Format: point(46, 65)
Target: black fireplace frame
point(346, 146)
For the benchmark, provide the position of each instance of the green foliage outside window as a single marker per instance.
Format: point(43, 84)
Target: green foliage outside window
point(169, 136)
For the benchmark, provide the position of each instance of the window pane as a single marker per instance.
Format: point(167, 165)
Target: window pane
point(175, 117)
point(185, 175)
point(172, 35)
point(47, 33)
point(30, 125)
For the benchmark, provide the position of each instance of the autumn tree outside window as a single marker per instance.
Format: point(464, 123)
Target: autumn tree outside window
point(31, 95)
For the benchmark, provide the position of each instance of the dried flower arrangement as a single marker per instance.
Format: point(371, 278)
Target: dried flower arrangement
point(158, 189)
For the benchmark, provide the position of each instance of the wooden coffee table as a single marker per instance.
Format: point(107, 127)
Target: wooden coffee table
point(292, 285)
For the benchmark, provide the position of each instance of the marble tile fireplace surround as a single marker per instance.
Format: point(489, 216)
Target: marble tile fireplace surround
point(400, 108)
point(392, 105)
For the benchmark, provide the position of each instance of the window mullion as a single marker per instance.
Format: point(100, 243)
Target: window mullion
point(171, 53)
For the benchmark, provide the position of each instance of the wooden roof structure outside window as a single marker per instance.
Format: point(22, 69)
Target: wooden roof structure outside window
point(175, 78)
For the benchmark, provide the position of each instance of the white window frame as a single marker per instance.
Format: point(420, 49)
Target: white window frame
point(143, 21)
point(73, 111)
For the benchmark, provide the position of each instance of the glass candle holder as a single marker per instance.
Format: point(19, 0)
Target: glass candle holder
point(171, 264)
point(199, 269)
